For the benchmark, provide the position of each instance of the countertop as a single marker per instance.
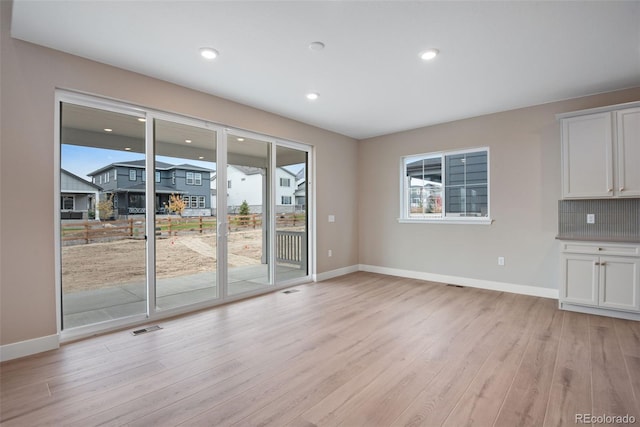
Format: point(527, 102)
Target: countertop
point(611, 239)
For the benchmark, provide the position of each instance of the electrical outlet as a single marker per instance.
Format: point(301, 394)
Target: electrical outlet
point(332, 218)
point(591, 218)
point(501, 260)
point(330, 253)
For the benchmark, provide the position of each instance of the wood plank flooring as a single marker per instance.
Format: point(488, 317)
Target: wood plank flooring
point(359, 350)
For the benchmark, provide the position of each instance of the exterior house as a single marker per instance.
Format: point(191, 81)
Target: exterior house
point(247, 183)
point(300, 193)
point(125, 181)
point(77, 196)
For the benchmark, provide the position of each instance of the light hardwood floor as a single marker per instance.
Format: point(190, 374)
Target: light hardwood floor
point(359, 350)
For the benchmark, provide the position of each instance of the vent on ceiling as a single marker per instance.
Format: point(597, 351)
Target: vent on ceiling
point(147, 329)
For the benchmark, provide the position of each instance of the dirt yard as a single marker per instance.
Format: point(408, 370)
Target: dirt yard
point(100, 265)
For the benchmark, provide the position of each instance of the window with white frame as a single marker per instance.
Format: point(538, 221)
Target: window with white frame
point(285, 182)
point(286, 200)
point(201, 202)
point(106, 177)
point(197, 177)
point(132, 174)
point(67, 203)
point(173, 178)
point(446, 186)
point(190, 178)
point(115, 174)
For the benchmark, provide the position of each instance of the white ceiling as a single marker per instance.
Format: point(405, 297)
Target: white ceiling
point(495, 56)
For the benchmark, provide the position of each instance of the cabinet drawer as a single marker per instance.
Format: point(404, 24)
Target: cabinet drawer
point(601, 249)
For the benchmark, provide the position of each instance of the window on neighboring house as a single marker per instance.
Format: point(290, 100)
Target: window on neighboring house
point(229, 184)
point(285, 182)
point(67, 203)
point(173, 178)
point(190, 178)
point(446, 186)
point(115, 174)
point(198, 178)
point(157, 176)
point(286, 200)
point(99, 179)
point(106, 177)
point(201, 202)
point(132, 174)
point(93, 179)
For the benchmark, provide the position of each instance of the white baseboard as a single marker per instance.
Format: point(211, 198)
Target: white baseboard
point(28, 347)
point(335, 273)
point(464, 281)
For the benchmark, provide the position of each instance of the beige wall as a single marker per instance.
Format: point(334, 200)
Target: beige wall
point(525, 187)
point(29, 76)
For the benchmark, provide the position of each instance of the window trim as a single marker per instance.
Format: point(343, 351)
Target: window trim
point(135, 175)
point(405, 196)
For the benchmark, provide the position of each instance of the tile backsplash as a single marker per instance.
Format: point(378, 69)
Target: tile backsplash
point(614, 218)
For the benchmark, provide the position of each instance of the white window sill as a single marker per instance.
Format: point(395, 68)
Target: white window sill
point(475, 221)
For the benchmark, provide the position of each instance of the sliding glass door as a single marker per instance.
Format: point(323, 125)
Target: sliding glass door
point(291, 219)
point(102, 232)
point(184, 208)
point(160, 214)
point(248, 213)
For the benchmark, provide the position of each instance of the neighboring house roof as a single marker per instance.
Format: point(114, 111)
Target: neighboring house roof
point(159, 166)
point(80, 181)
point(248, 170)
point(288, 171)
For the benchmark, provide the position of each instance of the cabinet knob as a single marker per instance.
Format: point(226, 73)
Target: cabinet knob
point(596, 263)
point(603, 263)
point(610, 190)
point(621, 188)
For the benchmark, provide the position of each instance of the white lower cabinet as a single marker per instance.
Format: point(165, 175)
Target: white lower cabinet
point(603, 276)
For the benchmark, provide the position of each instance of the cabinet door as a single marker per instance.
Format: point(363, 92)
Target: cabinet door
point(579, 279)
point(587, 163)
point(628, 153)
point(620, 283)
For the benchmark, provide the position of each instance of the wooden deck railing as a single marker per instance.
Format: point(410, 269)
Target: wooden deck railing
point(291, 247)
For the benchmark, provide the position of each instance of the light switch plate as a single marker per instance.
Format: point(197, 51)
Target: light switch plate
point(591, 218)
point(332, 218)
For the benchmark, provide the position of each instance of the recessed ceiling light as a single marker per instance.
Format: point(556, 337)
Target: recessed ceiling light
point(208, 53)
point(316, 46)
point(142, 119)
point(201, 157)
point(127, 148)
point(312, 96)
point(188, 141)
point(108, 130)
point(240, 139)
point(428, 55)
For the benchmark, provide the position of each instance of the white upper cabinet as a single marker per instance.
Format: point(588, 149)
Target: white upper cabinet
point(601, 153)
point(628, 146)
